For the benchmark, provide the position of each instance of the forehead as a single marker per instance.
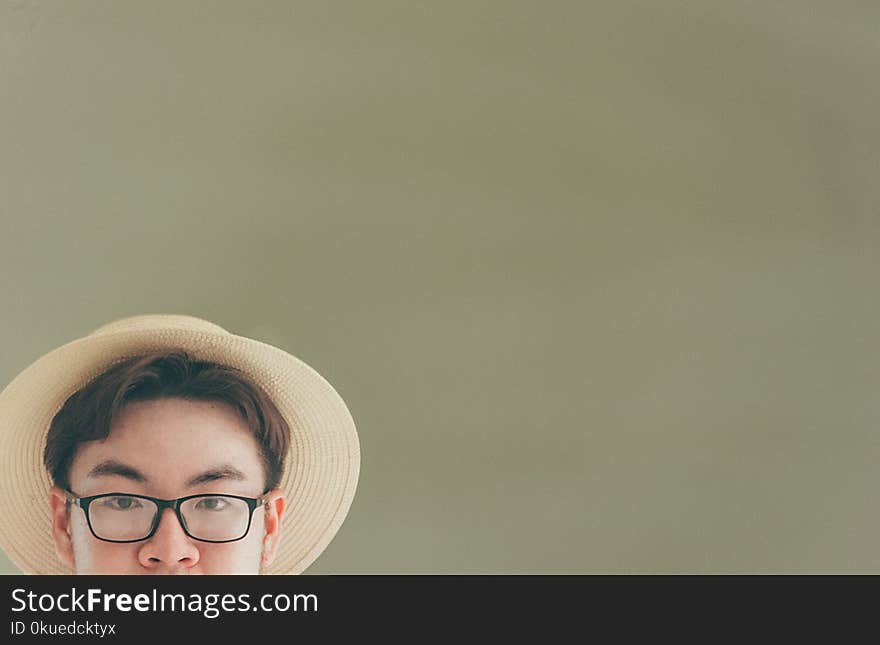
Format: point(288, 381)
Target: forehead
point(171, 440)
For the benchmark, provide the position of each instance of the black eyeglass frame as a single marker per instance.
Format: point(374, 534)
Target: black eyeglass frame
point(162, 504)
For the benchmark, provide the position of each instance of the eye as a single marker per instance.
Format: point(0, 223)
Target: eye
point(212, 504)
point(120, 503)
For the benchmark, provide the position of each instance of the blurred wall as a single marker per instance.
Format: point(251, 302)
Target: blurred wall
point(597, 280)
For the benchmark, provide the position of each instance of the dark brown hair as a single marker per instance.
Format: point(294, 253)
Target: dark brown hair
point(89, 413)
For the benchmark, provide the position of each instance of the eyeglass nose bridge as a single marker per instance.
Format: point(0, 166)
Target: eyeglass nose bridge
point(161, 505)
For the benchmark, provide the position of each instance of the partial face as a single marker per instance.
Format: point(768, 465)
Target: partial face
point(167, 449)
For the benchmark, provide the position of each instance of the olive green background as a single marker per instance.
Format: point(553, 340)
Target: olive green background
point(597, 280)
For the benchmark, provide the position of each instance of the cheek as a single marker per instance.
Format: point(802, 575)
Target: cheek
point(241, 557)
point(96, 557)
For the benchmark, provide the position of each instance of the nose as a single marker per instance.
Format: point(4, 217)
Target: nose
point(169, 549)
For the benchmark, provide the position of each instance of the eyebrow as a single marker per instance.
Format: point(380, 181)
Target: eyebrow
point(226, 471)
point(113, 467)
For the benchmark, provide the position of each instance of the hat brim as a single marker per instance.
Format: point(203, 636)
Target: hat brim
point(321, 471)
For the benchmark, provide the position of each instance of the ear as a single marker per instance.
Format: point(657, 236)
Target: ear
point(273, 511)
point(61, 525)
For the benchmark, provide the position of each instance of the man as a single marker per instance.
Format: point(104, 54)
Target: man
point(168, 427)
point(173, 447)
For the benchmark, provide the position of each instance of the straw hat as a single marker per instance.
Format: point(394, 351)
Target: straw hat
point(320, 474)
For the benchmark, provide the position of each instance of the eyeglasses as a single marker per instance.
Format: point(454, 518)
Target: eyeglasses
point(123, 517)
